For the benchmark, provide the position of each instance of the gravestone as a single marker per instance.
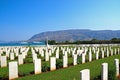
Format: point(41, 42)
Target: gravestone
point(104, 74)
point(75, 59)
point(83, 58)
point(85, 74)
point(57, 54)
point(37, 66)
point(65, 61)
point(3, 61)
point(97, 55)
point(107, 52)
point(52, 63)
point(13, 70)
point(102, 54)
point(90, 56)
point(34, 56)
point(20, 59)
point(46, 55)
point(11, 56)
point(111, 52)
point(117, 66)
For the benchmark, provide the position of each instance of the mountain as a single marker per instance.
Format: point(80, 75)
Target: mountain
point(76, 34)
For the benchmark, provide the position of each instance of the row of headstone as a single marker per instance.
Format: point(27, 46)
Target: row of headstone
point(13, 67)
point(80, 51)
point(37, 68)
point(48, 53)
point(85, 74)
point(12, 55)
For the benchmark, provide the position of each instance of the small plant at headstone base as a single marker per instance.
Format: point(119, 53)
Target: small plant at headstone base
point(105, 54)
point(59, 63)
point(45, 67)
point(29, 54)
point(70, 61)
point(93, 56)
point(32, 72)
point(28, 60)
point(3, 54)
point(4, 78)
point(79, 59)
point(53, 54)
point(42, 58)
point(86, 58)
point(100, 55)
point(69, 55)
point(21, 74)
point(112, 74)
point(16, 57)
point(97, 77)
point(61, 55)
point(38, 56)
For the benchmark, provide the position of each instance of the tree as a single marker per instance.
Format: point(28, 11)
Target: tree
point(114, 39)
point(51, 42)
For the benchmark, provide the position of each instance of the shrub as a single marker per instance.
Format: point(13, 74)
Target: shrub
point(28, 60)
point(45, 68)
point(112, 74)
point(79, 59)
point(59, 64)
point(97, 78)
point(21, 74)
point(61, 55)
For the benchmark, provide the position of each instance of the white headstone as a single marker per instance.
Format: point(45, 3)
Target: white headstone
point(90, 56)
point(57, 54)
point(83, 58)
point(34, 55)
point(20, 59)
point(42, 53)
point(37, 66)
point(11, 56)
point(17, 52)
point(85, 74)
point(75, 59)
point(117, 66)
point(46, 55)
point(65, 53)
point(3, 61)
point(104, 74)
point(23, 53)
point(111, 52)
point(65, 61)
point(13, 70)
point(52, 63)
point(107, 53)
point(97, 55)
point(7, 53)
point(102, 54)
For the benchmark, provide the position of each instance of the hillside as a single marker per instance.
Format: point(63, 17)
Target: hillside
point(78, 34)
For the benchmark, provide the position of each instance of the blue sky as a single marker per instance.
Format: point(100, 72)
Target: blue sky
point(21, 19)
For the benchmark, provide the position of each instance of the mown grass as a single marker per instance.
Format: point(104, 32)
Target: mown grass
point(72, 72)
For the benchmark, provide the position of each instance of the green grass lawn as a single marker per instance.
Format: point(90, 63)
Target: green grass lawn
point(70, 73)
